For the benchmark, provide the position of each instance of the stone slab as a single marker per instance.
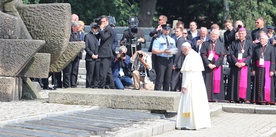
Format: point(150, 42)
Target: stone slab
point(107, 125)
point(120, 99)
point(16, 53)
point(262, 110)
point(238, 109)
point(49, 22)
point(9, 26)
point(52, 129)
point(27, 132)
point(38, 66)
point(73, 49)
point(78, 126)
point(30, 91)
point(10, 88)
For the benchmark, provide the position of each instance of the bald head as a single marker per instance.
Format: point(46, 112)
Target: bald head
point(203, 32)
point(214, 34)
point(74, 17)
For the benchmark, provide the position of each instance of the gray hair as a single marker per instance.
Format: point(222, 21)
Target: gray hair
point(123, 48)
point(75, 24)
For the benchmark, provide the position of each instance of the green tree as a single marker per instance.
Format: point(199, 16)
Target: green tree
point(31, 1)
point(249, 11)
point(88, 10)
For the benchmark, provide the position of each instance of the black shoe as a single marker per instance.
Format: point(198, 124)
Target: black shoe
point(49, 88)
point(106, 87)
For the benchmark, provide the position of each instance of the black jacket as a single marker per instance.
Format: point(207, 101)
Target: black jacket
point(106, 42)
point(76, 37)
point(91, 46)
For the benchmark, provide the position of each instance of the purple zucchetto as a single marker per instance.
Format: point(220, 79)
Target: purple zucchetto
point(242, 29)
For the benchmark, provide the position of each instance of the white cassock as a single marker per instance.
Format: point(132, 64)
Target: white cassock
point(193, 111)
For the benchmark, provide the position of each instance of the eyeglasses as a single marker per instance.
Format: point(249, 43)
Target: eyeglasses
point(159, 19)
point(257, 22)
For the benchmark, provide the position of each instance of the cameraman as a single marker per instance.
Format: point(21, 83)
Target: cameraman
point(121, 69)
point(133, 36)
point(141, 63)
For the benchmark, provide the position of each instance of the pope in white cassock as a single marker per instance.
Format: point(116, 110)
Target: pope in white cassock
point(193, 111)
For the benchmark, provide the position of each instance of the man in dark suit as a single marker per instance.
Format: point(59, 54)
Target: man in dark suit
point(177, 61)
point(193, 32)
point(105, 50)
point(260, 27)
point(133, 37)
point(91, 58)
point(70, 72)
point(197, 41)
point(229, 34)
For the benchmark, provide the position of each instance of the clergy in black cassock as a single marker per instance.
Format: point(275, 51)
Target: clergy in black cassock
point(263, 65)
point(240, 53)
point(212, 53)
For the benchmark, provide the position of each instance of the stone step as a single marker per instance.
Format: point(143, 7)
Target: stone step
point(103, 122)
point(52, 129)
point(30, 132)
point(79, 126)
point(126, 99)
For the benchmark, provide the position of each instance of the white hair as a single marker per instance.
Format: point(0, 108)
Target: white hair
point(123, 48)
point(186, 44)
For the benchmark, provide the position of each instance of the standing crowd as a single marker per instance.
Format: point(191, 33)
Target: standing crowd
point(249, 55)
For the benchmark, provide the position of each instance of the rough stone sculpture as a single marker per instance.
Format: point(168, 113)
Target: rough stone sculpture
point(34, 41)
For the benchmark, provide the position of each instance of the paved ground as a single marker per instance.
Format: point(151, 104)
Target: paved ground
point(233, 125)
point(223, 123)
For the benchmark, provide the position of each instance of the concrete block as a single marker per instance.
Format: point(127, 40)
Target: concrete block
point(265, 110)
point(168, 126)
point(38, 67)
point(10, 88)
point(238, 109)
point(67, 56)
point(16, 53)
point(29, 89)
point(122, 99)
point(9, 26)
point(49, 22)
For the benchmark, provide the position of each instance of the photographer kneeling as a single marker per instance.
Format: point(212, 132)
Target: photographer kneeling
point(121, 69)
point(142, 65)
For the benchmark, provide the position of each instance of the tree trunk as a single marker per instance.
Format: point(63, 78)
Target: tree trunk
point(146, 12)
point(226, 9)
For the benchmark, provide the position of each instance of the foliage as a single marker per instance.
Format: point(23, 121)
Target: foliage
point(204, 12)
point(249, 11)
point(31, 1)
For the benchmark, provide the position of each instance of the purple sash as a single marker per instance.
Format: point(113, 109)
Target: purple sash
point(267, 87)
point(217, 75)
point(243, 80)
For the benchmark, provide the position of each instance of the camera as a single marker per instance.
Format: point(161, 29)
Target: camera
point(239, 26)
point(111, 20)
point(123, 54)
point(140, 55)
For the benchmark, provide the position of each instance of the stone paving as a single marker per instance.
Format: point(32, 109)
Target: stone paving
point(233, 125)
point(248, 122)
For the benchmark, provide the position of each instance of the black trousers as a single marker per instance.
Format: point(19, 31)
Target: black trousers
point(104, 67)
point(176, 81)
point(56, 80)
point(70, 73)
point(90, 68)
point(163, 73)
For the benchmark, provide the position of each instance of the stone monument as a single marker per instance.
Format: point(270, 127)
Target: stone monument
point(34, 40)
